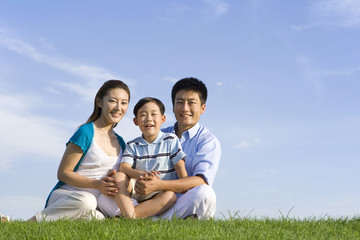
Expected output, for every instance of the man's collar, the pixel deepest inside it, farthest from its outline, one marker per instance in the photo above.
(192, 131)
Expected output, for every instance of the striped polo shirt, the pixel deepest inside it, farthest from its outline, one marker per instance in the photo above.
(160, 155)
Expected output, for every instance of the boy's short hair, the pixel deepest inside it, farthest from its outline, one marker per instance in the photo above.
(145, 100)
(192, 84)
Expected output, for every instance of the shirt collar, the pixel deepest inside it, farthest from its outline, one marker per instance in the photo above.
(157, 139)
(190, 132)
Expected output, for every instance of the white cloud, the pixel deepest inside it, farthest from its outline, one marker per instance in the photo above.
(89, 74)
(337, 13)
(219, 7)
(26, 49)
(176, 12)
(24, 135)
(21, 207)
(219, 84)
(171, 79)
(317, 77)
(307, 26)
(248, 143)
(243, 144)
(334, 72)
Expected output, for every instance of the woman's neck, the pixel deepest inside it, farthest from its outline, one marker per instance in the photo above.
(103, 126)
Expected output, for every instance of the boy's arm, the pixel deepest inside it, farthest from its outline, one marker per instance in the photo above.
(180, 169)
(129, 171)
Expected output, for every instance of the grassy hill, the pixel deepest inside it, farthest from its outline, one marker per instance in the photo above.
(240, 228)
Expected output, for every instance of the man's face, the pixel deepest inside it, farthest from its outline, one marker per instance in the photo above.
(187, 109)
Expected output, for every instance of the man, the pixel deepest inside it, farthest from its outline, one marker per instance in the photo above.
(196, 198)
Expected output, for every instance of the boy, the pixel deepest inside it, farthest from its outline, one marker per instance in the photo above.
(153, 154)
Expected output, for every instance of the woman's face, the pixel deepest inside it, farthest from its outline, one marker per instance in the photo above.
(114, 105)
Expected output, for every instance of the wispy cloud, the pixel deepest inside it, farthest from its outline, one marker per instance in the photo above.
(337, 13)
(248, 143)
(24, 48)
(176, 11)
(21, 207)
(318, 77)
(89, 75)
(171, 79)
(19, 122)
(24, 134)
(219, 7)
(314, 72)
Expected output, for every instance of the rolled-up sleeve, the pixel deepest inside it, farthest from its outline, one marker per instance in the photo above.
(206, 159)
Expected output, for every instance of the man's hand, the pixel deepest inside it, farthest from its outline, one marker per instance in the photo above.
(147, 184)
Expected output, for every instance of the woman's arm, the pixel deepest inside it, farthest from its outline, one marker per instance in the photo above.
(66, 174)
(180, 169)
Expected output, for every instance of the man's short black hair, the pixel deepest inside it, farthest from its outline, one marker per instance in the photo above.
(192, 84)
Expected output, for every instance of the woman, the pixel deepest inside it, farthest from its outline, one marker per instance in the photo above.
(90, 153)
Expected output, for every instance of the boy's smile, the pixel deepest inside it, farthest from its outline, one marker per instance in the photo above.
(149, 120)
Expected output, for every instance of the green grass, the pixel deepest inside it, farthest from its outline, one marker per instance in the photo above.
(233, 228)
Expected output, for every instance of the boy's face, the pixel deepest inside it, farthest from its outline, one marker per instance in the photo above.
(187, 109)
(149, 120)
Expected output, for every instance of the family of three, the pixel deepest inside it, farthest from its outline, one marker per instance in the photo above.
(164, 173)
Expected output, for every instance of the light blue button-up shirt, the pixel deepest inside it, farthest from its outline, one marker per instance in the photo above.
(203, 151)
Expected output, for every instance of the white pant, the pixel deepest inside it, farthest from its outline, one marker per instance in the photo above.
(200, 200)
(70, 205)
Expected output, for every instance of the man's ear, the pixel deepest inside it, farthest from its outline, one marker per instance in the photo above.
(203, 108)
(163, 118)
(135, 121)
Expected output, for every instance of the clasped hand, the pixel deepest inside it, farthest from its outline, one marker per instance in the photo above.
(108, 184)
(146, 183)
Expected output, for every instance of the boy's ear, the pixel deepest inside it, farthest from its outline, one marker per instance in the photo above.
(136, 121)
(163, 118)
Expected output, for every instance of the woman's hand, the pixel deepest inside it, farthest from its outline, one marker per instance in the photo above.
(108, 184)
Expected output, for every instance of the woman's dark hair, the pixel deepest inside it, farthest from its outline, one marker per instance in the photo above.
(145, 100)
(108, 85)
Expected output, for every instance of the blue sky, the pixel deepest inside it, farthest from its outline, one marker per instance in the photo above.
(283, 81)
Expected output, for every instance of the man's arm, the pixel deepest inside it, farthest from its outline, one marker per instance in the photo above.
(152, 184)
